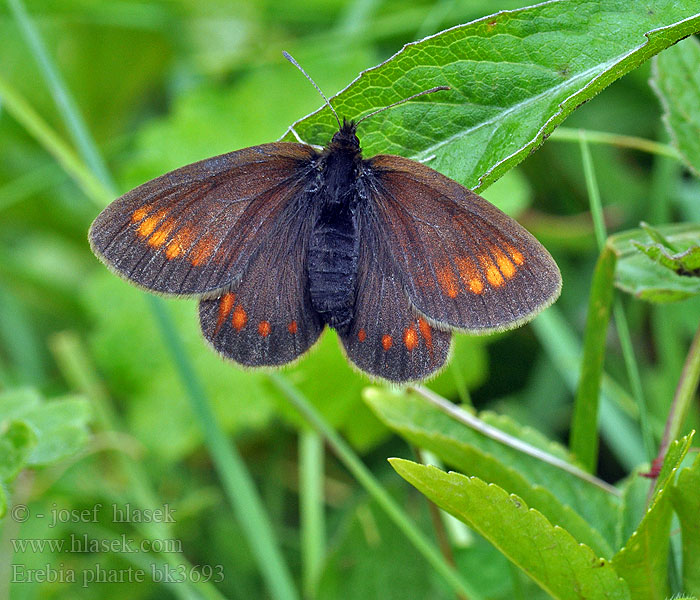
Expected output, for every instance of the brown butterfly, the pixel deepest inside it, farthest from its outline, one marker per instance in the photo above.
(279, 240)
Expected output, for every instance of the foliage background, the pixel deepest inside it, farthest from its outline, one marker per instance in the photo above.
(165, 83)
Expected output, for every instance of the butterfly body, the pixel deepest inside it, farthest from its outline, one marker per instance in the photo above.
(335, 238)
(279, 240)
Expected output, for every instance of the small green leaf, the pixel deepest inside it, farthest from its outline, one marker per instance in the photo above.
(682, 263)
(685, 496)
(647, 279)
(561, 565)
(676, 80)
(59, 426)
(643, 560)
(514, 76)
(17, 440)
(586, 511)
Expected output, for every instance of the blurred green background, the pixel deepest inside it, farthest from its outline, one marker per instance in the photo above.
(164, 83)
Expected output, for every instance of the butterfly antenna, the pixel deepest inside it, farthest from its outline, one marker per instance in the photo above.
(439, 88)
(290, 58)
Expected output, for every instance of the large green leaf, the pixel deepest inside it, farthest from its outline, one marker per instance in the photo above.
(561, 565)
(643, 561)
(585, 510)
(639, 274)
(514, 76)
(685, 496)
(676, 80)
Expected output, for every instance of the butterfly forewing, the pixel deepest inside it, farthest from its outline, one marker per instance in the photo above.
(193, 230)
(387, 337)
(265, 318)
(462, 262)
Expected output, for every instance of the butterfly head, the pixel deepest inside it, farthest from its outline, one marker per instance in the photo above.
(346, 139)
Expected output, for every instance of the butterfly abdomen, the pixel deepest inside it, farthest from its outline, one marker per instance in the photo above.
(332, 264)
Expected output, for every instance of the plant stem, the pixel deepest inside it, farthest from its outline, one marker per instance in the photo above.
(313, 528)
(682, 400)
(61, 95)
(618, 311)
(20, 109)
(364, 476)
(237, 482)
(566, 134)
(496, 434)
(100, 187)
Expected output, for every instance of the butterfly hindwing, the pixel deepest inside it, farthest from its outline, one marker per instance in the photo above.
(265, 318)
(463, 262)
(192, 230)
(387, 338)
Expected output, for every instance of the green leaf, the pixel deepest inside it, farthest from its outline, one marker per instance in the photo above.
(59, 426)
(685, 496)
(17, 440)
(637, 274)
(585, 510)
(556, 561)
(514, 76)
(643, 560)
(676, 80)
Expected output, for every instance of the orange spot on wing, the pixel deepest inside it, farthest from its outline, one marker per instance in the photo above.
(493, 275)
(517, 257)
(162, 233)
(387, 342)
(239, 319)
(202, 251)
(362, 335)
(264, 328)
(292, 327)
(447, 281)
(147, 226)
(140, 213)
(179, 244)
(410, 338)
(425, 332)
(504, 264)
(470, 275)
(225, 305)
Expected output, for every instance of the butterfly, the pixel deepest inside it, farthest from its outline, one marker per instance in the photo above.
(280, 240)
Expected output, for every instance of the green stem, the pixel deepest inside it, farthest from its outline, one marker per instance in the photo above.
(623, 334)
(61, 95)
(682, 399)
(373, 487)
(456, 413)
(618, 311)
(235, 478)
(237, 482)
(566, 134)
(313, 530)
(26, 116)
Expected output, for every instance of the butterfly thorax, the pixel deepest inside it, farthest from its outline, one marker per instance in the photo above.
(334, 243)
